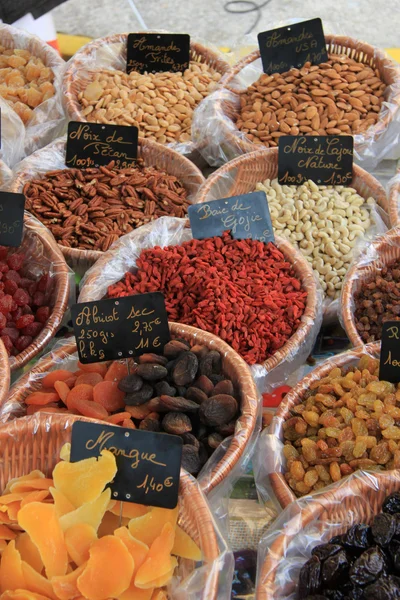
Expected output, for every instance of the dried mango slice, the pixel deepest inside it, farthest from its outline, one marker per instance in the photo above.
(62, 504)
(36, 474)
(90, 513)
(40, 521)
(12, 510)
(3, 545)
(65, 587)
(9, 498)
(84, 481)
(108, 571)
(28, 551)
(158, 559)
(160, 581)
(78, 539)
(184, 546)
(110, 523)
(36, 496)
(137, 549)
(148, 527)
(159, 595)
(6, 533)
(129, 509)
(31, 485)
(65, 452)
(11, 575)
(35, 582)
(21, 595)
(134, 593)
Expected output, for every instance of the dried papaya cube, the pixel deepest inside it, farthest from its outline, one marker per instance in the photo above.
(83, 481)
(148, 527)
(35, 582)
(184, 546)
(28, 551)
(11, 575)
(78, 539)
(91, 513)
(158, 560)
(58, 375)
(137, 549)
(108, 571)
(62, 504)
(40, 521)
(65, 587)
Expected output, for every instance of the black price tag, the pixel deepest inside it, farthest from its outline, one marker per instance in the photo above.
(156, 52)
(120, 328)
(11, 218)
(95, 145)
(246, 217)
(292, 46)
(389, 365)
(148, 463)
(326, 160)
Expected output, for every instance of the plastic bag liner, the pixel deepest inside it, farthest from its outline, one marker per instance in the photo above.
(394, 199)
(268, 461)
(383, 251)
(109, 53)
(219, 140)
(43, 255)
(48, 121)
(5, 176)
(4, 374)
(39, 439)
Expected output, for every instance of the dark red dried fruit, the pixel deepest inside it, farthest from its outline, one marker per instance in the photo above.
(310, 578)
(176, 423)
(368, 567)
(218, 410)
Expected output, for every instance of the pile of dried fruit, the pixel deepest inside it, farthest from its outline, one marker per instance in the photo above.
(161, 105)
(24, 302)
(349, 420)
(244, 291)
(62, 538)
(341, 96)
(92, 208)
(378, 301)
(182, 392)
(25, 82)
(361, 563)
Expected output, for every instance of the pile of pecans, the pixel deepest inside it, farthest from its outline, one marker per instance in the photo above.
(161, 105)
(341, 96)
(91, 208)
(243, 291)
(378, 301)
(349, 420)
(25, 82)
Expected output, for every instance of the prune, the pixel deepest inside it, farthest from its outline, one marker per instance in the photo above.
(174, 348)
(139, 397)
(205, 384)
(158, 359)
(218, 410)
(151, 372)
(334, 595)
(245, 573)
(394, 551)
(163, 388)
(176, 423)
(358, 536)
(191, 459)
(338, 539)
(323, 551)
(310, 578)
(368, 567)
(177, 403)
(196, 394)
(386, 588)
(383, 528)
(335, 569)
(214, 440)
(189, 438)
(391, 504)
(223, 387)
(150, 424)
(130, 383)
(185, 369)
(181, 390)
(316, 597)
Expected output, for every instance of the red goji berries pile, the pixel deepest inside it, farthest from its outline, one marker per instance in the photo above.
(244, 291)
(24, 302)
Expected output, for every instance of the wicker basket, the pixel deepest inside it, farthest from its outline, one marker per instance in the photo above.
(233, 366)
(4, 374)
(61, 291)
(73, 85)
(154, 155)
(387, 249)
(356, 501)
(359, 51)
(296, 395)
(35, 443)
(394, 201)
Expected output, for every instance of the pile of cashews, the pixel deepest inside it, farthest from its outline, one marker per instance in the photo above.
(325, 222)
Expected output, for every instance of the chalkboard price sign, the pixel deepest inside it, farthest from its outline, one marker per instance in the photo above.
(95, 145)
(292, 46)
(11, 218)
(157, 52)
(389, 365)
(148, 463)
(246, 217)
(326, 160)
(120, 328)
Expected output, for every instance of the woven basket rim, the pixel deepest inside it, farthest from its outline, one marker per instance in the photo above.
(281, 489)
(340, 41)
(358, 271)
(246, 424)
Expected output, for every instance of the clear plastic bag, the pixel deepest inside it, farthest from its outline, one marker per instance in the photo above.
(313, 520)
(5, 176)
(41, 438)
(48, 120)
(219, 140)
(393, 188)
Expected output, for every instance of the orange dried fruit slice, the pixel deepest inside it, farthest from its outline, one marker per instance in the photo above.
(3, 545)
(129, 509)
(65, 452)
(9, 498)
(66, 586)
(79, 392)
(35, 496)
(184, 546)
(36, 474)
(62, 504)
(40, 521)
(58, 375)
(158, 559)
(117, 371)
(101, 368)
(117, 418)
(78, 540)
(138, 412)
(11, 575)
(137, 549)
(35, 582)
(108, 395)
(148, 527)
(128, 424)
(110, 523)
(21, 595)
(31, 485)
(134, 593)
(91, 513)
(160, 581)
(108, 571)
(6, 533)
(12, 509)
(159, 595)
(88, 408)
(89, 378)
(83, 481)
(41, 398)
(62, 390)
(28, 551)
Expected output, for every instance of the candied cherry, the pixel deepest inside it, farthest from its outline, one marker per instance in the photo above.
(5, 304)
(10, 286)
(21, 297)
(15, 261)
(24, 321)
(7, 343)
(42, 314)
(23, 342)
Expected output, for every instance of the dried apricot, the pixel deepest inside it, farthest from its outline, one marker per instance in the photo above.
(62, 390)
(41, 398)
(79, 392)
(91, 513)
(58, 375)
(87, 408)
(118, 418)
(148, 527)
(117, 371)
(11, 575)
(128, 424)
(184, 546)
(100, 368)
(108, 395)
(108, 571)
(66, 586)
(89, 378)
(35, 582)
(40, 521)
(28, 551)
(158, 560)
(78, 540)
